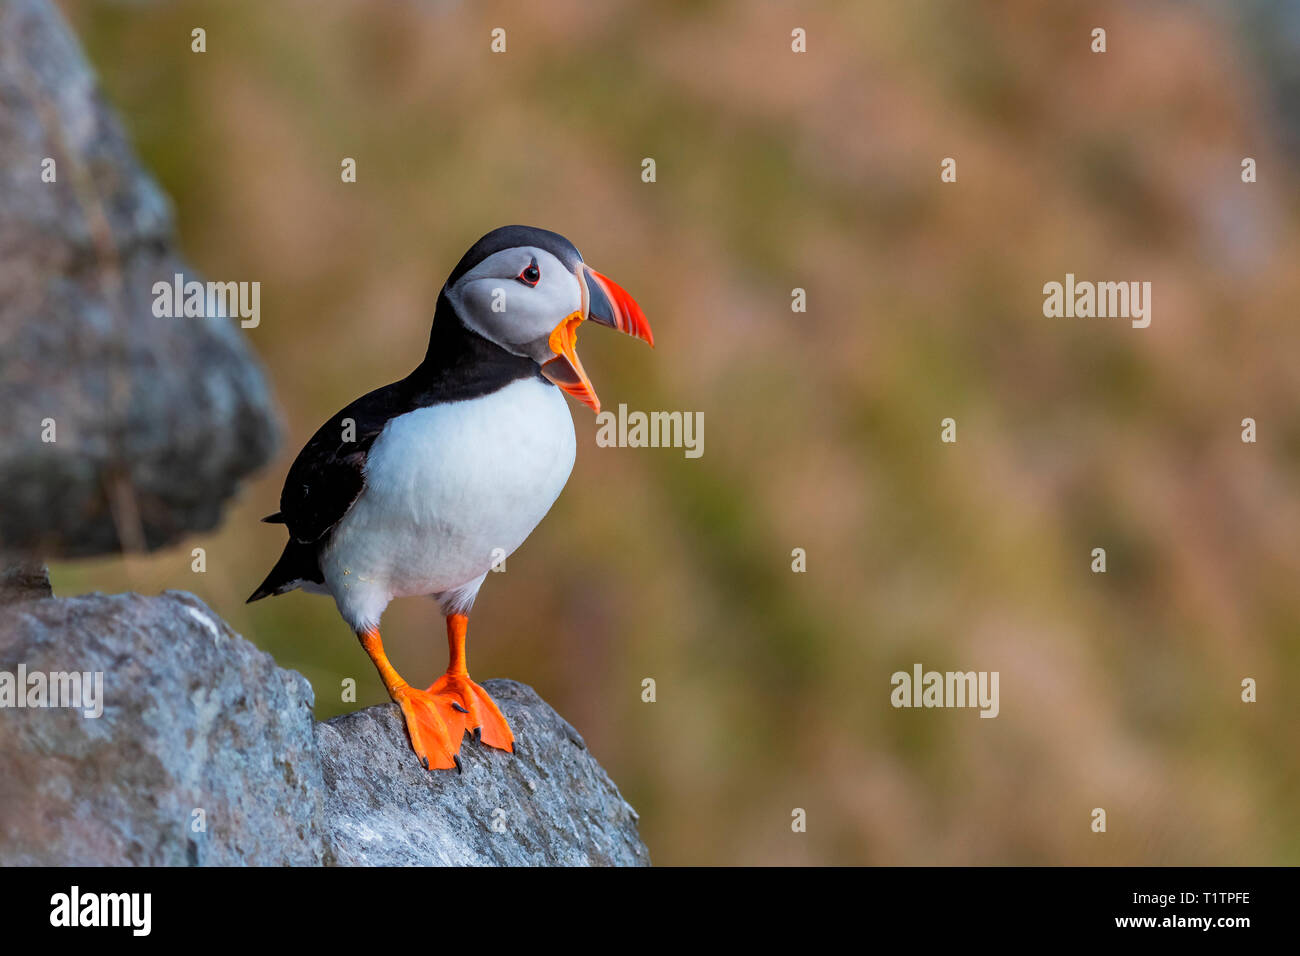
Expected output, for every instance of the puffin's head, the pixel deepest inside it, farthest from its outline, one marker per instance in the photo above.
(527, 290)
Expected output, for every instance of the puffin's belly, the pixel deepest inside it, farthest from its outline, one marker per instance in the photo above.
(450, 489)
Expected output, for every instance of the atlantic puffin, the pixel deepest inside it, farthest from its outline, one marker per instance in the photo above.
(419, 487)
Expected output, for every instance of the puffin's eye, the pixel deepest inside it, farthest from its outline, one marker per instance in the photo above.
(530, 276)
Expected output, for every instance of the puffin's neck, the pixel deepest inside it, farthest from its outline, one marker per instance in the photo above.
(461, 364)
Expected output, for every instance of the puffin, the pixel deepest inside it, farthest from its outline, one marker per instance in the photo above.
(420, 487)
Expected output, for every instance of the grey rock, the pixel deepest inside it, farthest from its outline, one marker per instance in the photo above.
(156, 420)
(548, 803)
(195, 717)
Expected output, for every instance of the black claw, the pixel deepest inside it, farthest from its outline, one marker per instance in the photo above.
(457, 759)
(478, 734)
(456, 706)
(425, 761)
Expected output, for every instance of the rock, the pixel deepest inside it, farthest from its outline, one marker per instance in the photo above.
(549, 803)
(196, 718)
(154, 420)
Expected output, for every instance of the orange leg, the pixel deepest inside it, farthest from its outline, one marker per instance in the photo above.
(436, 722)
(483, 717)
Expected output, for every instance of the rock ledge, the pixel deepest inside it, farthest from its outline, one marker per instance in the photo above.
(207, 754)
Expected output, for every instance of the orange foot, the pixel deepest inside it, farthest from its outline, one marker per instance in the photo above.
(436, 723)
(482, 716)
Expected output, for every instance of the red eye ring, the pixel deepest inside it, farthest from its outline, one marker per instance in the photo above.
(531, 275)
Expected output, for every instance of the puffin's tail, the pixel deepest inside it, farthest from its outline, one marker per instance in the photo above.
(296, 565)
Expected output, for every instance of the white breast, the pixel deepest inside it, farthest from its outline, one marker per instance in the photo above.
(449, 490)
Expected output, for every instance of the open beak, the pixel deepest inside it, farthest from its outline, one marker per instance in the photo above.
(606, 303)
(566, 370)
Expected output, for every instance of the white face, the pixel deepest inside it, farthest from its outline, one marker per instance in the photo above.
(498, 300)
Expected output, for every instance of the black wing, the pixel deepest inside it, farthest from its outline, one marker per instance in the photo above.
(329, 473)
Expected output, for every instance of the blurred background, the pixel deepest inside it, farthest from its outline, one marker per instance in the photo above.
(821, 171)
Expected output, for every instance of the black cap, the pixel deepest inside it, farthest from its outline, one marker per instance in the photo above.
(511, 237)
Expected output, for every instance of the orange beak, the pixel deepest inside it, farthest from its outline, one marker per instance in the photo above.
(609, 304)
(566, 370)
(606, 303)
